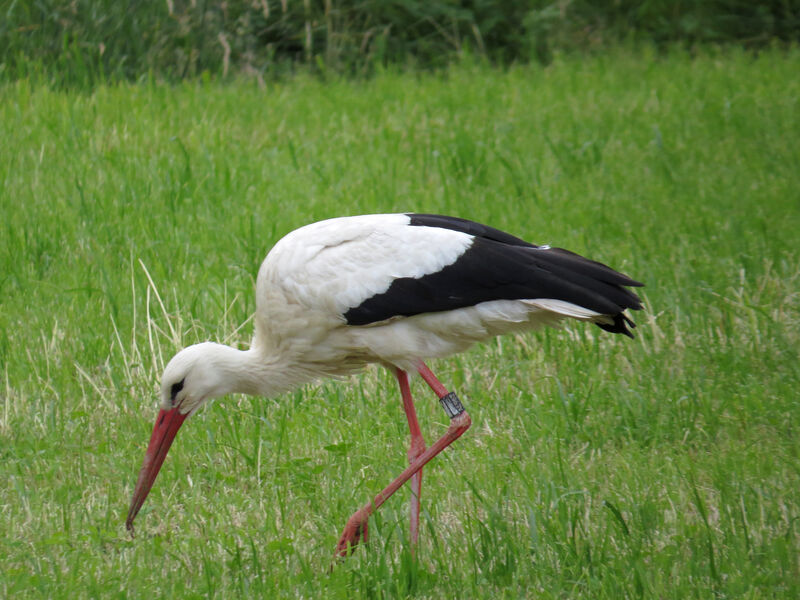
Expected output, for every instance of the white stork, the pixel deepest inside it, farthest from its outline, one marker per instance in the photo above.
(393, 289)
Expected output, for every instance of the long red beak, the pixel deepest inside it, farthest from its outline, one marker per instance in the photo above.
(167, 424)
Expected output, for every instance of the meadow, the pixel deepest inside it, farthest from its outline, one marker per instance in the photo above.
(133, 218)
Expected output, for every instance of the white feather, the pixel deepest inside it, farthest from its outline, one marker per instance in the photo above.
(564, 308)
(316, 273)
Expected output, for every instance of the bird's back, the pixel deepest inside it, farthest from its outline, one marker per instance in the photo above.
(425, 285)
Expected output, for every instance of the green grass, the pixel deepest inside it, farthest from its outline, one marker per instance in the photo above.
(133, 220)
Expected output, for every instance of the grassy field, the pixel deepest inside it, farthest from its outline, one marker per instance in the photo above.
(134, 219)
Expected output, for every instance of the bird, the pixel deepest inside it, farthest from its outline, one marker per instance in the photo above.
(392, 289)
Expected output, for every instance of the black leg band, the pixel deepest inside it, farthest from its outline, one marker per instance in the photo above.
(451, 405)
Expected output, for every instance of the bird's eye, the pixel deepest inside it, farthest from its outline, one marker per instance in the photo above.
(176, 387)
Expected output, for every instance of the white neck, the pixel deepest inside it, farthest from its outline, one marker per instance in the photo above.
(213, 370)
(255, 373)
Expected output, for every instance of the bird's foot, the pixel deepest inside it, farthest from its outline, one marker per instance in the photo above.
(354, 533)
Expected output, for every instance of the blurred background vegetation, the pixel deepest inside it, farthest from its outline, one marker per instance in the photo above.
(77, 42)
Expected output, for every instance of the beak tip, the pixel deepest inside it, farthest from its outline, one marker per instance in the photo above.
(167, 424)
(129, 522)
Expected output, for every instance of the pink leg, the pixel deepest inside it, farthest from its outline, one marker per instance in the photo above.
(356, 528)
(417, 447)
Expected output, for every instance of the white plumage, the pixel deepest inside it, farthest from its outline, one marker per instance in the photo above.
(395, 289)
(316, 273)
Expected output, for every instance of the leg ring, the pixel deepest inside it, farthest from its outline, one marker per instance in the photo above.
(451, 405)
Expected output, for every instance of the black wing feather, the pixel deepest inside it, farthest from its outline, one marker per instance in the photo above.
(499, 266)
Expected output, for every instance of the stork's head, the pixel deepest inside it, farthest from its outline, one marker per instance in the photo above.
(194, 375)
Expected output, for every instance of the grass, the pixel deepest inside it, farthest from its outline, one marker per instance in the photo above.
(134, 219)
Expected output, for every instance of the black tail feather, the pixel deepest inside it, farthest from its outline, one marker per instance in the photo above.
(620, 325)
